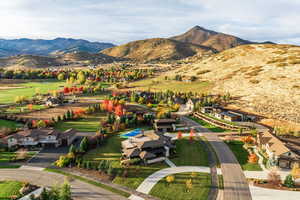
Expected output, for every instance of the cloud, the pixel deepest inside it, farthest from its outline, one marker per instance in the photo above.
(121, 21)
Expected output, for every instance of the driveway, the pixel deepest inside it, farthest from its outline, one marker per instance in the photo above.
(80, 190)
(235, 183)
(47, 156)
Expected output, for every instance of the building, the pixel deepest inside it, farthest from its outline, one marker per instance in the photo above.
(45, 137)
(148, 146)
(191, 104)
(164, 125)
(276, 148)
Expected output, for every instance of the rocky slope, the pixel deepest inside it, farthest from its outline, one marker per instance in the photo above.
(265, 78)
(157, 49)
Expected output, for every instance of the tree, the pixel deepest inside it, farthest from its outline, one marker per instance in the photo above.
(170, 179)
(61, 76)
(41, 124)
(65, 192)
(72, 149)
(81, 78)
(289, 181)
(179, 135)
(295, 171)
(189, 185)
(84, 145)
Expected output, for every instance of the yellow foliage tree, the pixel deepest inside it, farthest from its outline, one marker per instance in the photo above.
(295, 172)
(170, 179)
(189, 185)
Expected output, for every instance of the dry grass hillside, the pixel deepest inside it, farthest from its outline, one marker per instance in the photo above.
(219, 41)
(264, 77)
(28, 61)
(157, 49)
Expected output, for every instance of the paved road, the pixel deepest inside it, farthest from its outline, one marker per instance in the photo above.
(235, 183)
(80, 190)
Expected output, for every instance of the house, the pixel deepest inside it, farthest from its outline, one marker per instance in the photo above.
(53, 102)
(164, 125)
(44, 137)
(229, 116)
(191, 104)
(276, 148)
(148, 146)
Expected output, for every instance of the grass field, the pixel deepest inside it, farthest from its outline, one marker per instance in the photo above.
(28, 89)
(90, 123)
(177, 190)
(24, 109)
(190, 154)
(208, 125)
(9, 189)
(9, 124)
(241, 155)
(159, 84)
(7, 156)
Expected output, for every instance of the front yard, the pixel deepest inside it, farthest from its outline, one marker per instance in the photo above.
(190, 153)
(9, 189)
(9, 124)
(6, 156)
(241, 155)
(200, 187)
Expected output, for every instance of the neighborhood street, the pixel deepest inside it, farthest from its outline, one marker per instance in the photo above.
(235, 183)
(80, 190)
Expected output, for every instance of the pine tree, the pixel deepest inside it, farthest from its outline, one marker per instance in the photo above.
(84, 145)
(72, 149)
(289, 181)
(65, 192)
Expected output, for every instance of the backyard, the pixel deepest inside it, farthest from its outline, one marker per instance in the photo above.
(190, 153)
(90, 123)
(241, 155)
(9, 124)
(10, 189)
(201, 183)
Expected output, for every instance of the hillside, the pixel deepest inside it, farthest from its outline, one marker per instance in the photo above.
(46, 47)
(264, 77)
(219, 41)
(88, 58)
(157, 49)
(29, 61)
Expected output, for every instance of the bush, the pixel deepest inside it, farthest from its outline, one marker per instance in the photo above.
(289, 181)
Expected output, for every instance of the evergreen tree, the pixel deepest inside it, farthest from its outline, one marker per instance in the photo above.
(72, 149)
(65, 192)
(84, 144)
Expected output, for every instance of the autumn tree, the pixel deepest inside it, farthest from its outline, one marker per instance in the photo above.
(170, 179)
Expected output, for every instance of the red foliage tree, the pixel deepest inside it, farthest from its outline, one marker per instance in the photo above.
(105, 104)
(110, 106)
(66, 90)
(119, 110)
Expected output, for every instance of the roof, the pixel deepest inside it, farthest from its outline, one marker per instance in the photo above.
(275, 145)
(229, 114)
(68, 133)
(164, 120)
(150, 144)
(132, 152)
(147, 155)
(34, 133)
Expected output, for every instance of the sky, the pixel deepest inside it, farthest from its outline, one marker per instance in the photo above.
(121, 21)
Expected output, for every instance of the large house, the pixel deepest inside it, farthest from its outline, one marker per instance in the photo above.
(147, 146)
(45, 137)
(277, 149)
(164, 125)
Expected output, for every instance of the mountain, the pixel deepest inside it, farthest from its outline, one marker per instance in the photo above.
(46, 47)
(157, 49)
(29, 61)
(265, 78)
(219, 41)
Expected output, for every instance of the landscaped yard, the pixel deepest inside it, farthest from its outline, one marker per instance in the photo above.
(190, 154)
(111, 150)
(208, 125)
(24, 109)
(28, 89)
(90, 123)
(241, 155)
(177, 190)
(6, 157)
(9, 124)
(9, 189)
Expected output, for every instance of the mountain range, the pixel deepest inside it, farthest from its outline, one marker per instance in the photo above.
(41, 47)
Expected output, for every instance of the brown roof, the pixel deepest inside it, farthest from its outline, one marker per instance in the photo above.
(165, 121)
(147, 155)
(274, 143)
(150, 144)
(68, 133)
(132, 152)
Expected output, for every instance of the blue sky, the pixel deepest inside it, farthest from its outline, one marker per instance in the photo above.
(121, 21)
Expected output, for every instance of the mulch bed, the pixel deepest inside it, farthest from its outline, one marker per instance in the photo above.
(91, 173)
(278, 187)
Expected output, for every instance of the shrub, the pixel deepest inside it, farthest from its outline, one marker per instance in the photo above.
(289, 181)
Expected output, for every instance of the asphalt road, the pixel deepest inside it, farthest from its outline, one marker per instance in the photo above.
(235, 183)
(80, 190)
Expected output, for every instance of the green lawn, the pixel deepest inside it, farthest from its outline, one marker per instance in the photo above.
(7, 156)
(9, 124)
(177, 190)
(241, 155)
(29, 89)
(90, 123)
(9, 189)
(190, 154)
(208, 125)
